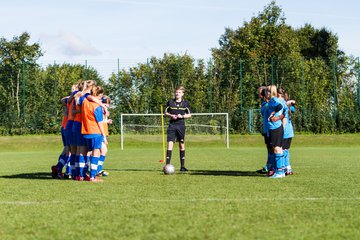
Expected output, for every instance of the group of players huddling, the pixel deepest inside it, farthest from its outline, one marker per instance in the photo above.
(278, 131)
(84, 133)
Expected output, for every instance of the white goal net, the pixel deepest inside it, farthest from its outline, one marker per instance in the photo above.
(200, 126)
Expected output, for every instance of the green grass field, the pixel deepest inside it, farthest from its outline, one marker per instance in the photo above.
(220, 198)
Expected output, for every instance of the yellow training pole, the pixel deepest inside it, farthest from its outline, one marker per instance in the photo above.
(163, 133)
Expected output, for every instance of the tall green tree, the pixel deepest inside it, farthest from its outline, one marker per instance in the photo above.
(17, 55)
(263, 46)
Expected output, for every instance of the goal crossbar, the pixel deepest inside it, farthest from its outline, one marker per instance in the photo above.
(159, 114)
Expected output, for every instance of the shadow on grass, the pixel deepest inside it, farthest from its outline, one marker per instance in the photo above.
(226, 173)
(199, 172)
(35, 175)
(133, 170)
(47, 175)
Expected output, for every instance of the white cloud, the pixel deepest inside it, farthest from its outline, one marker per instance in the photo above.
(69, 44)
(75, 46)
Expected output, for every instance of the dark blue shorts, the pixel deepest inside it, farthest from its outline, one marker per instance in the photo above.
(79, 139)
(68, 137)
(94, 143)
(63, 137)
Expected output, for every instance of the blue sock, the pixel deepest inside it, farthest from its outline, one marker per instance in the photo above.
(68, 169)
(72, 165)
(77, 167)
(87, 163)
(81, 165)
(101, 163)
(93, 166)
(286, 158)
(61, 162)
(279, 159)
(272, 161)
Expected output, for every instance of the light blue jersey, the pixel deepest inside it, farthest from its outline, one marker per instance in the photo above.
(288, 129)
(272, 105)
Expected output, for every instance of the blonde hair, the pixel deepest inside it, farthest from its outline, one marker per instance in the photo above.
(84, 86)
(273, 91)
(88, 84)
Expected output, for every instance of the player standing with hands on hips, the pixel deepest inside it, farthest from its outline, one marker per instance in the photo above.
(178, 110)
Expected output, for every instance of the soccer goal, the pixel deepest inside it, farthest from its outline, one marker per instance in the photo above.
(201, 126)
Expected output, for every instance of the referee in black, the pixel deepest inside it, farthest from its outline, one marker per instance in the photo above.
(177, 109)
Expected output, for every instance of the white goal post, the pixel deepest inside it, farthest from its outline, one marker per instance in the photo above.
(226, 115)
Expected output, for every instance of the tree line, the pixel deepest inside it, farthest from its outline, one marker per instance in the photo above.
(306, 61)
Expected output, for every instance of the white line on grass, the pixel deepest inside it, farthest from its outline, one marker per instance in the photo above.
(24, 203)
(28, 203)
(252, 199)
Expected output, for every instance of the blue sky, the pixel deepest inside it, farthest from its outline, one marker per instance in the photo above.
(102, 31)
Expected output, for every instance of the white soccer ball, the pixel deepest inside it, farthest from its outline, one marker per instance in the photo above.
(169, 169)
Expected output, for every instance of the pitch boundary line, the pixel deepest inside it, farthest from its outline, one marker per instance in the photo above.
(310, 199)
(24, 203)
(251, 199)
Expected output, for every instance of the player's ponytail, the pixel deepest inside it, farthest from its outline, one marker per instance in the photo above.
(96, 91)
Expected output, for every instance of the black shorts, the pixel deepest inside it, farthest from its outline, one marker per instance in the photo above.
(276, 137)
(176, 132)
(286, 143)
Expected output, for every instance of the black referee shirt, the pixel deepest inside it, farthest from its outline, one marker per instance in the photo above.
(175, 108)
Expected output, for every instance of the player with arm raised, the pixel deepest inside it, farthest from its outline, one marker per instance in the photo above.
(68, 131)
(276, 130)
(79, 141)
(93, 130)
(178, 110)
(288, 131)
(264, 95)
(104, 149)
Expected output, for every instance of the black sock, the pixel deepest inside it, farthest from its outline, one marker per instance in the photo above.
(182, 158)
(168, 156)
